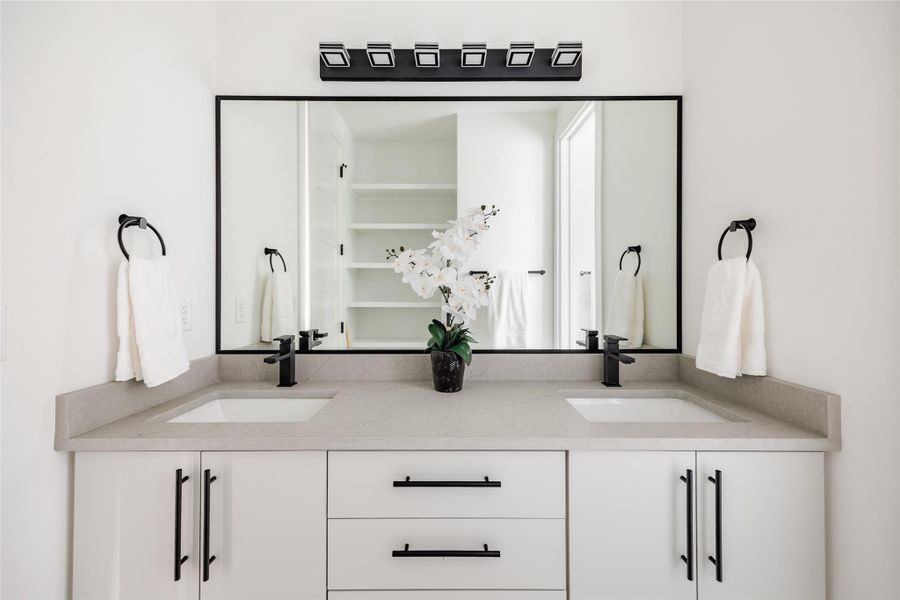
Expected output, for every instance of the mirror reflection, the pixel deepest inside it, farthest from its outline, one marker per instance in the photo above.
(317, 198)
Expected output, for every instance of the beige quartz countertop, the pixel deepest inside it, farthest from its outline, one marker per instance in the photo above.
(486, 415)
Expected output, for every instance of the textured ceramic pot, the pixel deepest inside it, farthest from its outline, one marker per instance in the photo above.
(447, 370)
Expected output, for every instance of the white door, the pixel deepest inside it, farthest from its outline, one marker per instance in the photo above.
(266, 514)
(628, 525)
(127, 527)
(771, 527)
(324, 229)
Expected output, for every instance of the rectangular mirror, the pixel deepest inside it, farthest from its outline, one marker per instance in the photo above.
(587, 235)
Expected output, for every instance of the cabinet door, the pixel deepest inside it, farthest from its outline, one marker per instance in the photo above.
(125, 525)
(771, 525)
(628, 525)
(267, 525)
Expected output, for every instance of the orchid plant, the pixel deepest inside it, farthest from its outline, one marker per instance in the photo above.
(439, 269)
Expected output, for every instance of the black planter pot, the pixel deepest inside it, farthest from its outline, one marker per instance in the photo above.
(447, 370)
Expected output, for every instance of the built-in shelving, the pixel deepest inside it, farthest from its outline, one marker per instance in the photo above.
(404, 190)
(392, 304)
(395, 226)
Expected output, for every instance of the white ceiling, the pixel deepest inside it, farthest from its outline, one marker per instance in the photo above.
(423, 120)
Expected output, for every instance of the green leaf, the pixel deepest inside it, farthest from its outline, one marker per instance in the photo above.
(464, 352)
(438, 335)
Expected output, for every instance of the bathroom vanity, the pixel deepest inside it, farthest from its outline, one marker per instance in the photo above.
(387, 489)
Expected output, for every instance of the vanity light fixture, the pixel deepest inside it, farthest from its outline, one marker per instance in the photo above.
(567, 54)
(520, 54)
(473, 54)
(427, 55)
(334, 54)
(380, 54)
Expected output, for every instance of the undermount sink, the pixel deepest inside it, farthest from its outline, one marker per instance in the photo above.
(643, 410)
(254, 410)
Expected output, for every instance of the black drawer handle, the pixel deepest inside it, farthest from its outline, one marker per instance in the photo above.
(688, 557)
(487, 483)
(207, 559)
(717, 559)
(407, 553)
(179, 559)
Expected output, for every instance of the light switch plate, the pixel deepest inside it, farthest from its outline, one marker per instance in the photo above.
(185, 313)
(240, 309)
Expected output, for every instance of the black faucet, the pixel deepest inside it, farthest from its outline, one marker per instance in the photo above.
(310, 339)
(590, 340)
(611, 360)
(285, 356)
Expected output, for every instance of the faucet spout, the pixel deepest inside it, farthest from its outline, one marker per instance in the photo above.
(611, 360)
(285, 356)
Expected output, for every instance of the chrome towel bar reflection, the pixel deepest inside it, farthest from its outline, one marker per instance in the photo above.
(540, 272)
(407, 553)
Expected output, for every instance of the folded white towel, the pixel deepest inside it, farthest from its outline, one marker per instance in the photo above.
(277, 315)
(128, 365)
(157, 328)
(507, 317)
(626, 313)
(732, 324)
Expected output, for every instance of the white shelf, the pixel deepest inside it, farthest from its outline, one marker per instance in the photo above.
(371, 265)
(388, 344)
(380, 304)
(404, 190)
(395, 226)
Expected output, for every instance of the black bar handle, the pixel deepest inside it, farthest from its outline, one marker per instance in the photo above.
(407, 553)
(207, 559)
(688, 557)
(179, 559)
(444, 484)
(717, 559)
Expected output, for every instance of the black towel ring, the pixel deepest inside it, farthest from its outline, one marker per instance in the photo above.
(747, 225)
(636, 250)
(269, 252)
(130, 221)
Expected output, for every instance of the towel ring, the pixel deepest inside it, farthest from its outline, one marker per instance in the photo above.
(636, 250)
(747, 225)
(270, 252)
(130, 221)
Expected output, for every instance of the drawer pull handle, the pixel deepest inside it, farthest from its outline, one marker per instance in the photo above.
(407, 553)
(466, 484)
(717, 559)
(207, 559)
(688, 557)
(179, 558)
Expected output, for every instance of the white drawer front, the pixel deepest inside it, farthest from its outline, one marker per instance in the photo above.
(532, 554)
(361, 484)
(449, 595)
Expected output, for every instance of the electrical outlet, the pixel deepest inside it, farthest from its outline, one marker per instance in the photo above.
(185, 312)
(240, 309)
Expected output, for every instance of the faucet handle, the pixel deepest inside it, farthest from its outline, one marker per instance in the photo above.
(614, 339)
(313, 333)
(590, 332)
(284, 339)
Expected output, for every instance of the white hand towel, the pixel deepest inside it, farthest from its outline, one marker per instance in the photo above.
(277, 315)
(626, 313)
(507, 317)
(157, 327)
(731, 326)
(128, 365)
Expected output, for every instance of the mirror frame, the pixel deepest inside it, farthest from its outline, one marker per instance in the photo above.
(678, 194)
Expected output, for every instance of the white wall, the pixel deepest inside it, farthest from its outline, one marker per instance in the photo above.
(639, 187)
(106, 108)
(259, 149)
(791, 118)
(507, 159)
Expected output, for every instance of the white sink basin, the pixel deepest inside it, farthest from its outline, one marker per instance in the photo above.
(643, 410)
(253, 410)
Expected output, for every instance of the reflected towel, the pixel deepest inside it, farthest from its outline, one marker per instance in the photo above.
(157, 327)
(732, 328)
(507, 317)
(626, 313)
(277, 314)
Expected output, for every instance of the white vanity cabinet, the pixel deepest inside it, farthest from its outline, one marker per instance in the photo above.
(258, 533)
(645, 524)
